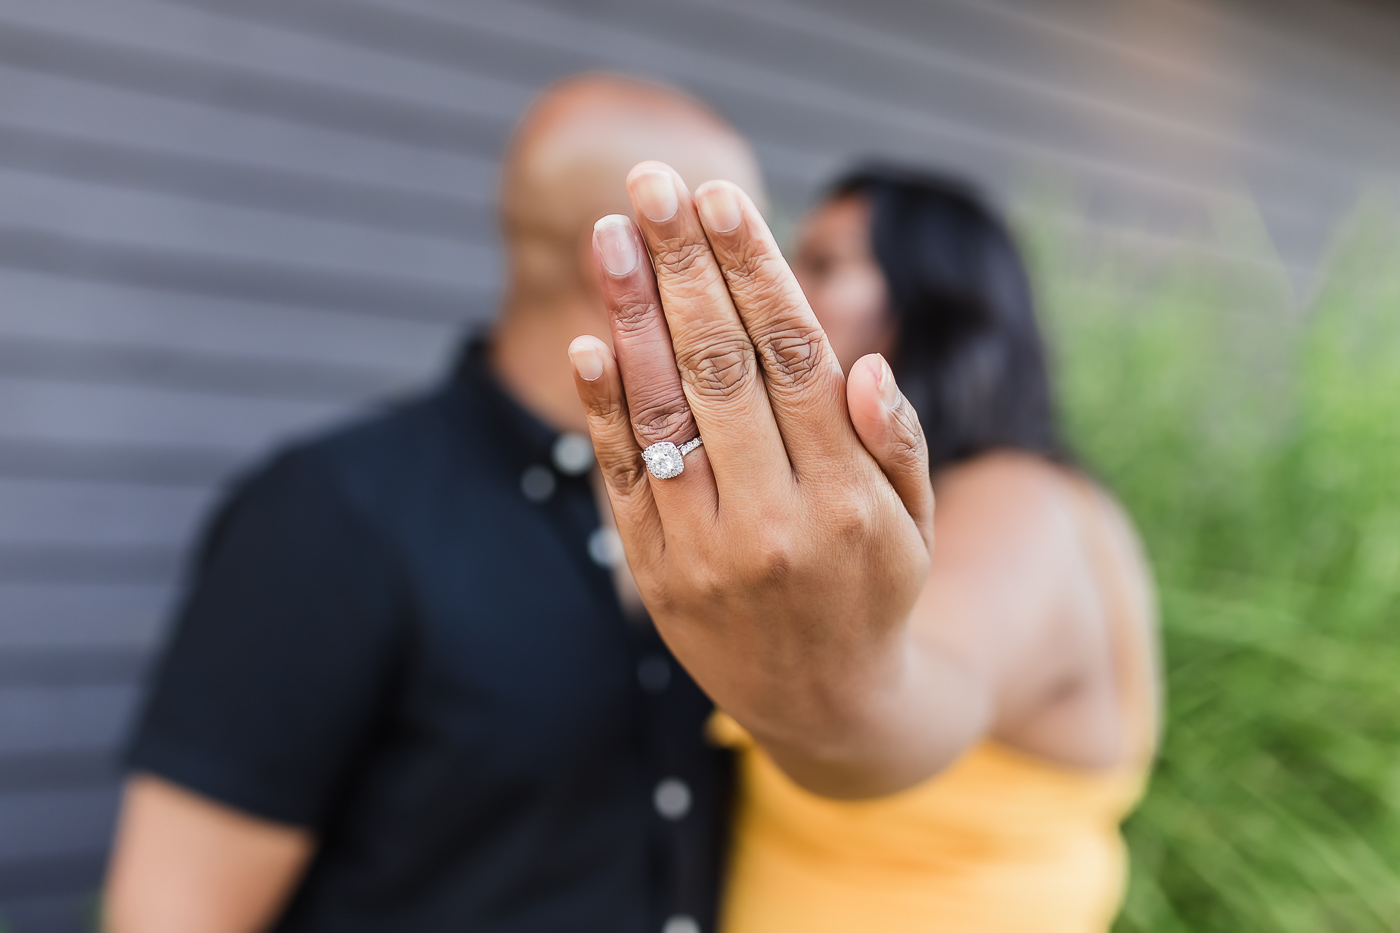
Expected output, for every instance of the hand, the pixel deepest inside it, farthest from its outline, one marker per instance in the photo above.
(782, 564)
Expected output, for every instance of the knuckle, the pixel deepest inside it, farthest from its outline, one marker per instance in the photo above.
(605, 410)
(666, 601)
(793, 347)
(626, 475)
(687, 272)
(793, 355)
(721, 367)
(659, 587)
(851, 517)
(633, 314)
(772, 551)
(681, 258)
(749, 269)
(662, 419)
(908, 440)
(908, 448)
(774, 559)
(706, 583)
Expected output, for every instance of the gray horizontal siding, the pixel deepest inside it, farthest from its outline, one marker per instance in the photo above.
(94, 310)
(39, 511)
(156, 222)
(83, 460)
(268, 279)
(56, 823)
(89, 564)
(39, 892)
(61, 717)
(52, 409)
(85, 618)
(191, 370)
(226, 222)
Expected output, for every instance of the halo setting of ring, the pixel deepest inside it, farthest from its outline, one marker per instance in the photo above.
(665, 460)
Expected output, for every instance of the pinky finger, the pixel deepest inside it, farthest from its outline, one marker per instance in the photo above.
(889, 428)
(599, 385)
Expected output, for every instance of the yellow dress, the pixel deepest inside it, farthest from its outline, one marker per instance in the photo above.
(1001, 842)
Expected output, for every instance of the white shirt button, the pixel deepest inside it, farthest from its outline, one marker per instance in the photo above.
(672, 798)
(680, 923)
(537, 483)
(654, 673)
(573, 454)
(605, 547)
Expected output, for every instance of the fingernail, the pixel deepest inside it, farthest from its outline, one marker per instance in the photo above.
(617, 247)
(889, 391)
(719, 208)
(588, 362)
(655, 194)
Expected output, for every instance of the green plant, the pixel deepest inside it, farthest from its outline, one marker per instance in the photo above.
(1257, 445)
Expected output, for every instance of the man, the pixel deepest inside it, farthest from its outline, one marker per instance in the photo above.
(404, 694)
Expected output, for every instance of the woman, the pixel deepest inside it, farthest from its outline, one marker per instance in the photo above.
(1021, 832)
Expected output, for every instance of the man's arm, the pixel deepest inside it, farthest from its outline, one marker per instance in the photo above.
(281, 658)
(183, 863)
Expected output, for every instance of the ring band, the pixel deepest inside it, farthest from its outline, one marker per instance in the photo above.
(665, 460)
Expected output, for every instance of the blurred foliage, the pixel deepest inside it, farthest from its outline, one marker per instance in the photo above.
(1256, 441)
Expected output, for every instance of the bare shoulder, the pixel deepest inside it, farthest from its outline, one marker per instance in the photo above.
(1004, 469)
(1082, 590)
(1129, 595)
(1028, 489)
(1117, 540)
(1117, 524)
(1005, 490)
(1050, 518)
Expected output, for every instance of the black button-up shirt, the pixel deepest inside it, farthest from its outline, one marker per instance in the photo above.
(404, 636)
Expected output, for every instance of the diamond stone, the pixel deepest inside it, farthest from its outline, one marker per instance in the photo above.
(664, 460)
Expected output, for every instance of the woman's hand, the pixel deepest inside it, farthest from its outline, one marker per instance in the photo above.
(781, 566)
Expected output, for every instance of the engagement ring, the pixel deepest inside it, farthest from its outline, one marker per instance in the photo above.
(666, 460)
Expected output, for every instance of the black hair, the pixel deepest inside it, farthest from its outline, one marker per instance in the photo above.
(969, 354)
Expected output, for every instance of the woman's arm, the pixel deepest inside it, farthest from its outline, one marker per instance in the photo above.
(788, 565)
(185, 864)
(1009, 638)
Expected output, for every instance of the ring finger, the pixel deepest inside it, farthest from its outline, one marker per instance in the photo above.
(655, 398)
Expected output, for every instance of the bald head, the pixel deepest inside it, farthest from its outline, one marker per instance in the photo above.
(568, 162)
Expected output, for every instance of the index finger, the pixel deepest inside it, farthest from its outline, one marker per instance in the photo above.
(805, 385)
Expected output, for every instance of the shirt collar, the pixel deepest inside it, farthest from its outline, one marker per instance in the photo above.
(530, 437)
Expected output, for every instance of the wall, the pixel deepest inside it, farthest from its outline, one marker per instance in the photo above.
(225, 221)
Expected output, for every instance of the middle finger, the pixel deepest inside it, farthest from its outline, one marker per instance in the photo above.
(718, 367)
(806, 389)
